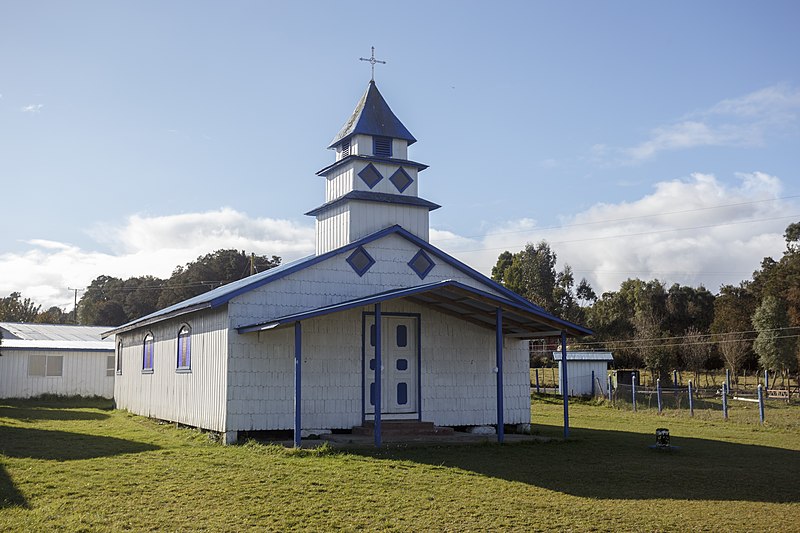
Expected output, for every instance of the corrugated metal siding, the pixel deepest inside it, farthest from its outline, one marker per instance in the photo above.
(83, 373)
(196, 398)
(332, 229)
(339, 183)
(400, 149)
(368, 217)
(579, 376)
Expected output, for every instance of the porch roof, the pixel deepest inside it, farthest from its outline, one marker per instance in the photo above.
(452, 298)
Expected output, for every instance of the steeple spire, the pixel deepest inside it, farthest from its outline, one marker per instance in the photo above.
(372, 184)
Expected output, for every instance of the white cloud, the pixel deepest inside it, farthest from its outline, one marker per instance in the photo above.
(32, 108)
(679, 233)
(145, 245)
(742, 121)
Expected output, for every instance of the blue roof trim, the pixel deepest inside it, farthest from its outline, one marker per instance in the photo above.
(373, 116)
(390, 295)
(343, 306)
(372, 159)
(369, 196)
(222, 295)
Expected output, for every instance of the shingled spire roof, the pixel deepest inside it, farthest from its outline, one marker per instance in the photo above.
(373, 116)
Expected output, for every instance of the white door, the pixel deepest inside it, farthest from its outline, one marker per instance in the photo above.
(399, 372)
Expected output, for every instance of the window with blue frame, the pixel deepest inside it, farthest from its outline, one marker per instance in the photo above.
(184, 349)
(119, 358)
(147, 353)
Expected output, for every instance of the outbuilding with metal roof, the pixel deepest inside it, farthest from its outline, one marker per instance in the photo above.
(65, 360)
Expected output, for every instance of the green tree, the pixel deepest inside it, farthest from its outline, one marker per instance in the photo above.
(15, 309)
(92, 307)
(696, 351)
(532, 274)
(773, 345)
(585, 293)
(611, 319)
(210, 271)
(781, 280)
(54, 315)
(688, 307)
(733, 311)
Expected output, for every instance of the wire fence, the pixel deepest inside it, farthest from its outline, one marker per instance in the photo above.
(721, 401)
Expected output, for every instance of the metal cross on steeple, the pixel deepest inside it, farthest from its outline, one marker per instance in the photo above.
(372, 62)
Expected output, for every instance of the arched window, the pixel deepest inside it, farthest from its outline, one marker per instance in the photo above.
(184, 349)
(119, 358)
(147, 353)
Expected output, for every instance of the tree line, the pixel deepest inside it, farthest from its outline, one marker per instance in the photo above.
(645, 323)
(755, 324)
(111, 301)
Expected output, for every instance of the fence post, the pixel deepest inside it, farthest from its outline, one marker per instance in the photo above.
(674, 378)
(658, 393)
(537, 380)
(725, 400)
(609, 389)
(633, 390)
(766, 379)
(691, 399)
(761, 403)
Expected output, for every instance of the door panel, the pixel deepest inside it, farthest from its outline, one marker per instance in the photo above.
(399, 375)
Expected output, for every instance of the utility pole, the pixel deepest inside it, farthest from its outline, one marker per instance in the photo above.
(252, 263)
(75, 309)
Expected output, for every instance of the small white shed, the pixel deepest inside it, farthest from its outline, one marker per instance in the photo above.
(60, 359)
(582, 368)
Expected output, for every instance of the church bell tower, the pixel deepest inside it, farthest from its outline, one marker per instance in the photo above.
(372, 184)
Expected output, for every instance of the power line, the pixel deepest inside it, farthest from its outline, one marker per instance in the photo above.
(676, 337)
(698, 343)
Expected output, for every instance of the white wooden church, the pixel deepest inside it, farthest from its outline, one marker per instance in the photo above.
(377, 325)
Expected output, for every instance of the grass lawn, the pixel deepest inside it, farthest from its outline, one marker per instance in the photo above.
(83, 467)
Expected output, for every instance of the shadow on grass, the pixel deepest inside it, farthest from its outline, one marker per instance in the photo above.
(620, 465)
(9, 495)
(38, 413)
(63, 445)
(57, 446)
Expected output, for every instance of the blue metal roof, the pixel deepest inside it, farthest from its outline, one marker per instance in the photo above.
(222, 295)
(382, 197)
(372, 116)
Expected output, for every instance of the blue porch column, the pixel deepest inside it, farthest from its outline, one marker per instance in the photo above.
(298, 337)
(565, 382)
(378, 366)
(499, 358)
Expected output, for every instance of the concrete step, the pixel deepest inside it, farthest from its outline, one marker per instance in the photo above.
(410, 428)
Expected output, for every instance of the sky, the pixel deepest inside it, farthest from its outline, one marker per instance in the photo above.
(639, 139)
